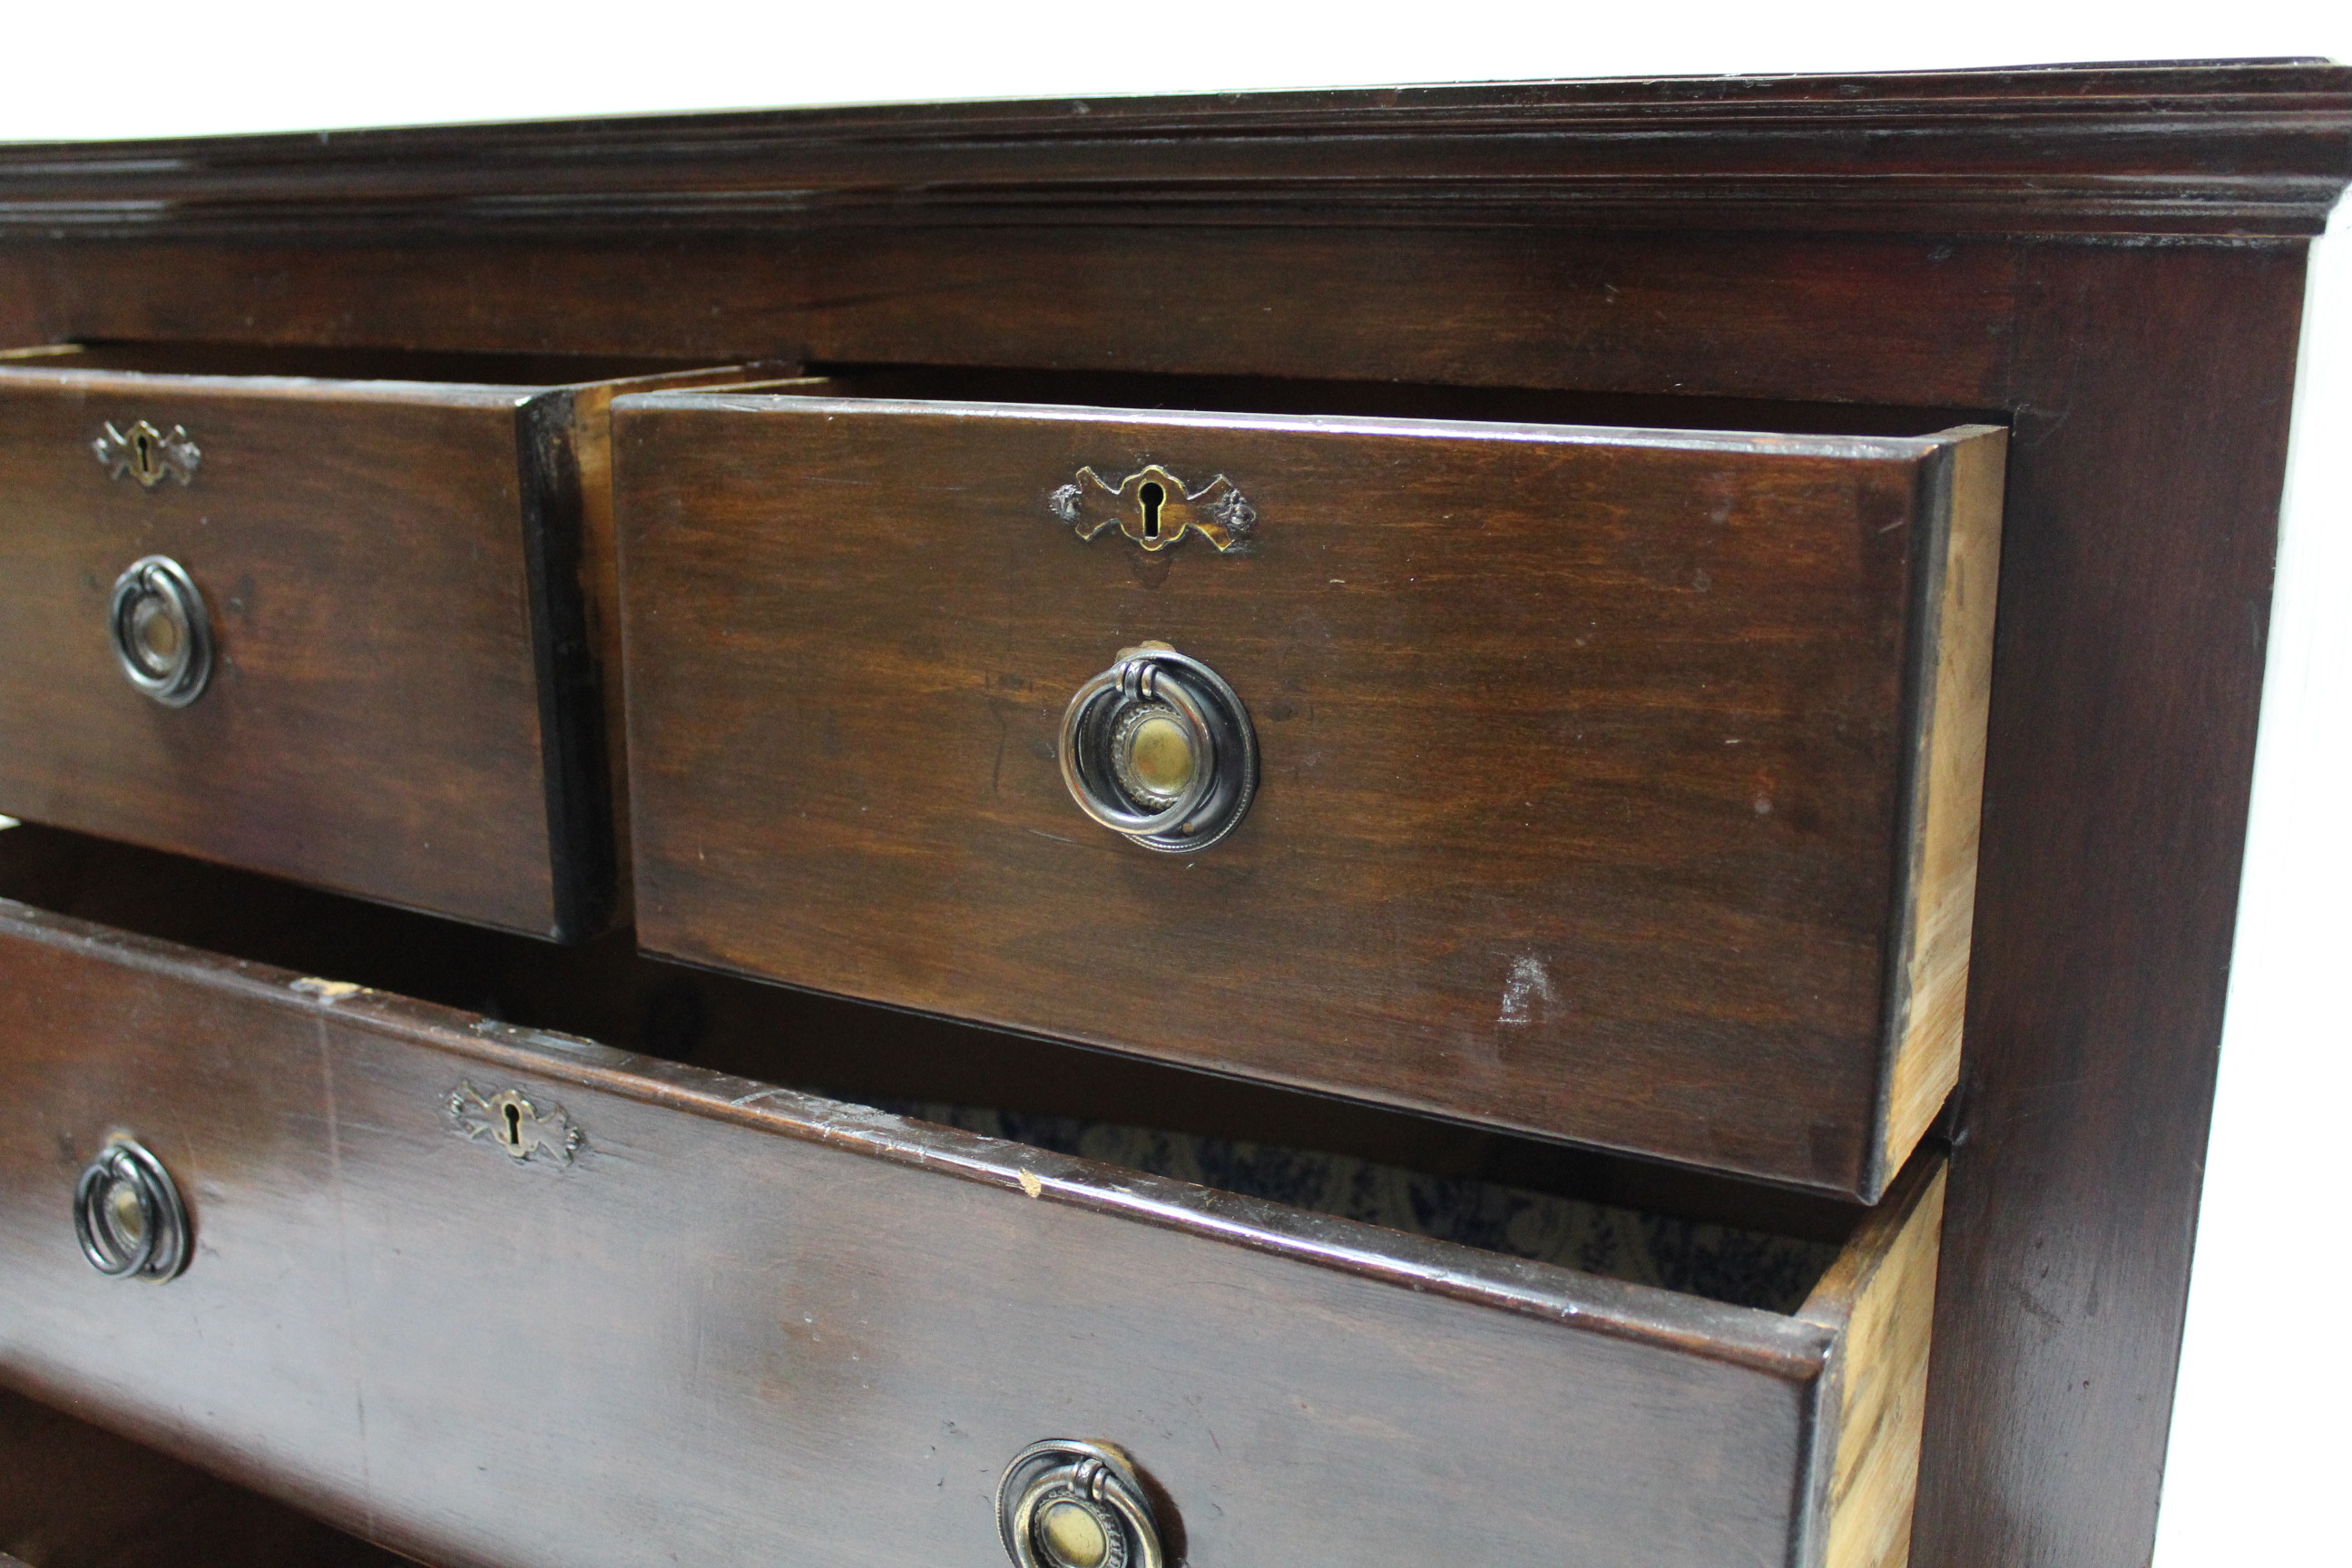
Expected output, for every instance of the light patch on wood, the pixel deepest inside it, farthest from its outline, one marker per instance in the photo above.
(1883, 1290)
(1948, 799)
(327, 990)
(1528, 985)
(1032, 1185)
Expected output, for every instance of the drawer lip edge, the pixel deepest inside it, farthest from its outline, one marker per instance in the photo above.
(1761, 443)
(1791, 1347)
(28, 378)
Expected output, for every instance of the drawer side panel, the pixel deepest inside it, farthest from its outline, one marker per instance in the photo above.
(1954, 650)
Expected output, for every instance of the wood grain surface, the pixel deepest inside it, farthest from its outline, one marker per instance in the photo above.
(2137, 554)
(1662, 237)
(2238, 148)
(373, 722)
(407, 701)
(1876, 319)
(1880, 1294)
(607, 991)
(1952, 690)
(1583, 753)
(743, 1322)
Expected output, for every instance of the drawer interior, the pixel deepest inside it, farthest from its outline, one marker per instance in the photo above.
(1739, 1243)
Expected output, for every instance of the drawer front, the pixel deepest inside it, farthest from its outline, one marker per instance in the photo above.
(375, 720)
(1609, 783)
(739, 1324)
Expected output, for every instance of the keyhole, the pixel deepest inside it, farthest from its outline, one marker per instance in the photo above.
(1151, 496)
(145, 454)
(514, 1127)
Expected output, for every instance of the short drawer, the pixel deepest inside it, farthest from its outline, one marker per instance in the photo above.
(340, 621)
(1609, 785)
(494, 1296)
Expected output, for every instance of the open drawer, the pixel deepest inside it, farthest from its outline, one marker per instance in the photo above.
(489, 1295)
(339, 616)
(1611, 785)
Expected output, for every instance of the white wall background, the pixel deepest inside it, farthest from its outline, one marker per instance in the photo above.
(2260, 1438)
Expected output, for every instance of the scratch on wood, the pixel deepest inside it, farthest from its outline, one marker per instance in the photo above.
(343, 1259)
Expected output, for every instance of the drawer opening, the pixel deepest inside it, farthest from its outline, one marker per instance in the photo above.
(1380, 399)
(1740, 1266)
(1620, 1217)
(307, 363)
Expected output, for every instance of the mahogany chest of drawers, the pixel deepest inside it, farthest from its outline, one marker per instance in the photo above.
(1330, 828)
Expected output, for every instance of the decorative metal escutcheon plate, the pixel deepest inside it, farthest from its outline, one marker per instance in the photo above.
(509, 1119)
(147, 454)
(1153, 508)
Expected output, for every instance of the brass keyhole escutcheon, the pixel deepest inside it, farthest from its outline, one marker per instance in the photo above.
(142, 456)
(525, 1132)
(1155, 510)
(147, 454)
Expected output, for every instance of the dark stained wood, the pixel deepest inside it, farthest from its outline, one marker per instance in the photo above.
(72, 1496)
(2142, 514)
(1581, 752)
(1507, 308)
(2153, 395)
(372, 722)
(750, 1323)
(2236, 148)
(407, 702)
(606, 991)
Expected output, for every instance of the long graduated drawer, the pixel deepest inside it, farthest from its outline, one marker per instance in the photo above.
(349, 626)
(498, 1298)
(1615, 786)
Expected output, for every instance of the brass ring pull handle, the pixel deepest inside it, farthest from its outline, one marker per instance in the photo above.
(127, 1216)
(162, 637)
(1160, 749)
(1067, 1504)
